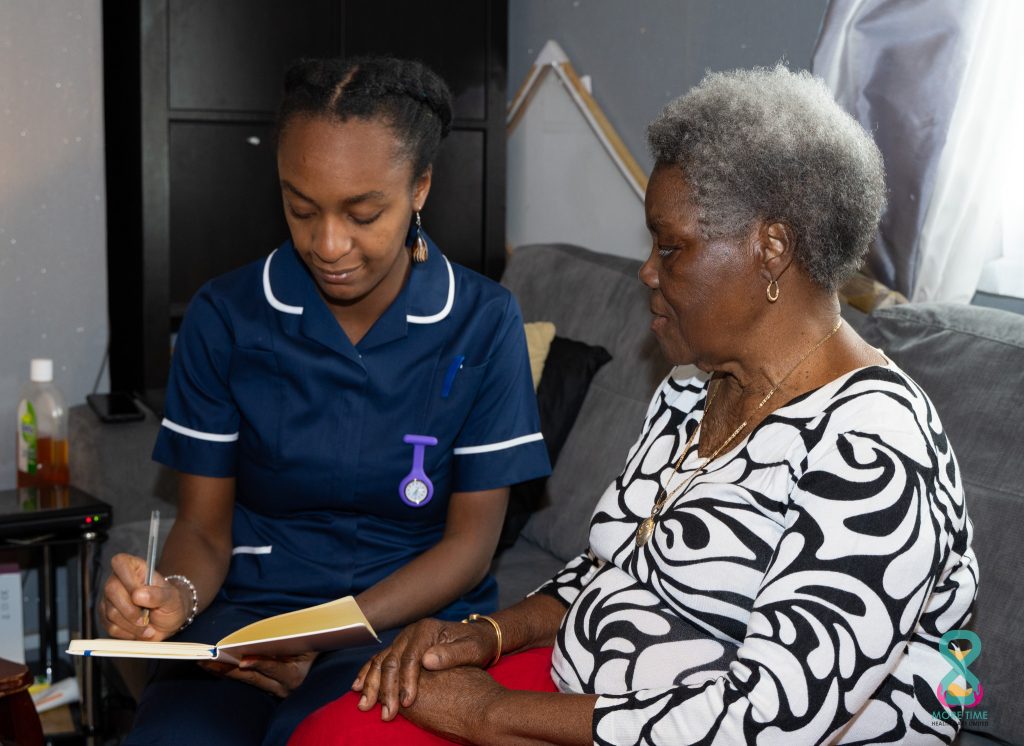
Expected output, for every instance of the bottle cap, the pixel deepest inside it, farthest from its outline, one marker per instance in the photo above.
(42, 370)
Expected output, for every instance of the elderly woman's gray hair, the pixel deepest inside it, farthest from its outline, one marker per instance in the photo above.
(770, 144)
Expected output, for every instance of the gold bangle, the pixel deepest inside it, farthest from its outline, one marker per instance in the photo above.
(497, 631)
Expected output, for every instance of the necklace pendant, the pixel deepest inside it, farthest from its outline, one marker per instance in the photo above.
(644, 531)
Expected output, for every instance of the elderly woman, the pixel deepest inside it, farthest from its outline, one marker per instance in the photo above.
(788, 540)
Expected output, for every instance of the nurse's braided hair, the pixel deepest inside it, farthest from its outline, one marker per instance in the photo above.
(410, 97)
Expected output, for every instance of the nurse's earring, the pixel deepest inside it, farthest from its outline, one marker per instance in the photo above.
(419, 246)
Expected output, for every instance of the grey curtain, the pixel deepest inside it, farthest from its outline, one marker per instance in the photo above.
(897, 67)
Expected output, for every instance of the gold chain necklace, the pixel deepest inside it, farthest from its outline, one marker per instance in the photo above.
(646, 527)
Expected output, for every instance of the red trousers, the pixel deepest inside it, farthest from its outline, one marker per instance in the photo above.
(341, 723)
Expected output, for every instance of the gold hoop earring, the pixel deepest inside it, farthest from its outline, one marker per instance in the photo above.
(772, 297)
(419, 246)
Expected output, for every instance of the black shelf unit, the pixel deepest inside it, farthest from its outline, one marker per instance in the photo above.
(190, 92)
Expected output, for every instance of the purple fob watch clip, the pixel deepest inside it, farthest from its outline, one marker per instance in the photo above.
(417, 489)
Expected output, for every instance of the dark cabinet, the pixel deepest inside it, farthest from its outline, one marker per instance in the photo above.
(423, 31)
(228, 55)
(191, 89)
(224, 201)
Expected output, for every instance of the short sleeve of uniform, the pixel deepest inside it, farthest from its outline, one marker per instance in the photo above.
(501, 444)
(199, 433)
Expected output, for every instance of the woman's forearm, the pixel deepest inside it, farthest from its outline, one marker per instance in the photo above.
(448, 569)
(204, 561)
(435, 579)
(428, 583)
(199, 544)
(531, 623)
(518, 718)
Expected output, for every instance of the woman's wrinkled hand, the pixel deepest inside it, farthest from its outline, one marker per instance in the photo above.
(454, 704)
(279, 676)
(126, 596)
(392, 676)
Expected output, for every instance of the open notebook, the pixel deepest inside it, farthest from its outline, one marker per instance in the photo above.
(330, 626)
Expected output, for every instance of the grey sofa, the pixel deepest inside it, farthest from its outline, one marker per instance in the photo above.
(970, 360)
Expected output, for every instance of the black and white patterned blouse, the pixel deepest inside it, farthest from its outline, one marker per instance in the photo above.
(795, 593)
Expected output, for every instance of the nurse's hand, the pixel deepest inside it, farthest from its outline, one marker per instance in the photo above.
(126, 595)
(279, 676)
(391, 677)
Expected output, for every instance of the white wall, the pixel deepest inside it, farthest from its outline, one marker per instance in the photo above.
(563, 185)
(641, 54)
(53, 276)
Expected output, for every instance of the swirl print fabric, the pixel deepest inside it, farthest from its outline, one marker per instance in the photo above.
(794, 593)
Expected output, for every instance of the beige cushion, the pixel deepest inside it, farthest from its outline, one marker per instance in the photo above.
(538, 341)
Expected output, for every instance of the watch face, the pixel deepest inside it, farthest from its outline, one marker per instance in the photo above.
(416, 491)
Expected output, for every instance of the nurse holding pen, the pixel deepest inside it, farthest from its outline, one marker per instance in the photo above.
(346, 415)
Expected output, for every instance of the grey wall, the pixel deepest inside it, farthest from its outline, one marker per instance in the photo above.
(53, 276)
(643, 53)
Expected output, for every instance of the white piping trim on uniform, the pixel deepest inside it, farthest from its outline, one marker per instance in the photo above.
(447, 306)
(274, 302)
(214, 437)
(498, 446)
(253, 550)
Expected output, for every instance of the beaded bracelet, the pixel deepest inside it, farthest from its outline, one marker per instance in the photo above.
(497, 631)
(195, 598)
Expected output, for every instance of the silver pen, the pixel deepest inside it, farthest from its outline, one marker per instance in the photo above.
(154, 529)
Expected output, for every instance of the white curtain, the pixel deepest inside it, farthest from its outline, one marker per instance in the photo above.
(940, 84)
(973, 233)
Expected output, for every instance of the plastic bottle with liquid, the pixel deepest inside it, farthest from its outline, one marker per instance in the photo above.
(42, 430)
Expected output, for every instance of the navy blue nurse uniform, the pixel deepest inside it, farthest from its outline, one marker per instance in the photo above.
(266, 387)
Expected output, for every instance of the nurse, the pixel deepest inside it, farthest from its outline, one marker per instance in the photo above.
(346, 415)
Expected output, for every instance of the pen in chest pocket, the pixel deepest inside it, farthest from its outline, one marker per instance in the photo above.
(449, 378)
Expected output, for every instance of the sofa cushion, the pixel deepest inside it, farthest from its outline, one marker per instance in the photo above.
(592, 457)
(970, 361)
(593, 298)
(522, 569)
(597, 299)
(539, 336)
(569, 369)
